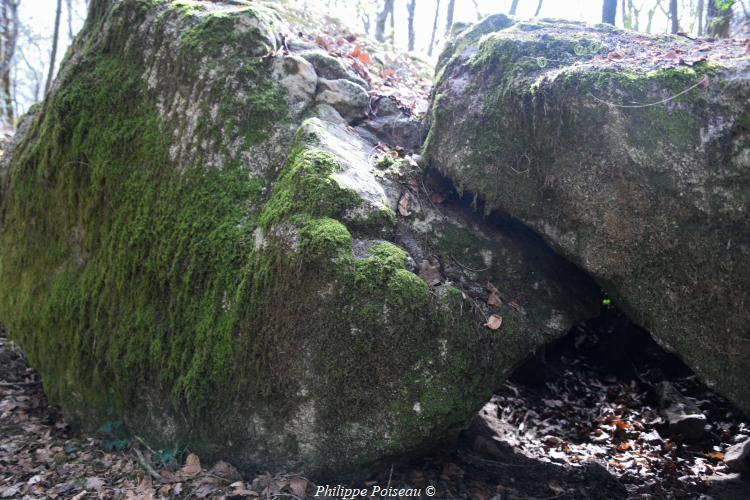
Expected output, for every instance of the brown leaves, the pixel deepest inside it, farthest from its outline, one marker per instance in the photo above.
(192, 465)
(437, 198)
(494, 300)
(494, 322)
(403, 204)
(298, 486)
(624, 446)
(360, 55)
(648, 53)
(392, 74)
(226, 471)
(239, 489)
(715, 455)
(429, 273)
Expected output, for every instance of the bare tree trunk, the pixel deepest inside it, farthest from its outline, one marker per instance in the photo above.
(69, 8)
(411, 7)
(609, 11)
(719, 18)
(53, 53)
(513, 7)
(634, 15)
(434, 29)
(650, 16)
(381, 20)
(392, 34)
(8, 42)
(701, 8)
(538, 8)
(476, 10)
(449, 16)
(674, 17)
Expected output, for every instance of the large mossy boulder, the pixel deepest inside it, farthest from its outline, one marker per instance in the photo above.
(629, 154)
(196, 244)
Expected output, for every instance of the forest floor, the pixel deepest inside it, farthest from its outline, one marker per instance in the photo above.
(569, 428)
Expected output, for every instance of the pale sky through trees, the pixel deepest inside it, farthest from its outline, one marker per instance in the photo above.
(38, 18)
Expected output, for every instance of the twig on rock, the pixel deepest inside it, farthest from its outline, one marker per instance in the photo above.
(146, 466)
(703, 81)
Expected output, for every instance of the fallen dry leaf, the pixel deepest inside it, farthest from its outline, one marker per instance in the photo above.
(614, 56)
(494, 300)
(437, 198)
(360, 55)
(429, 273)
(494, 322)
(515, 305)
(403, 204)
(226, 471)
(192, 465)
(715, 455)
(624, 446)
(298, 486)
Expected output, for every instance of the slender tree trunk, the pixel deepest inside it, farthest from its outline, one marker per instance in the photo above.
(634, 16)
(719, 18)
(674, 16)
(434, 29)
(476, 10)
(8, 42)
(650, 16)
(701, 8)
(69, 8)
(53, 53)
(381, 20)
(392, 34)
(538, 8)
(411, 7)
(609, 11)
(513, 7)
(449, 16)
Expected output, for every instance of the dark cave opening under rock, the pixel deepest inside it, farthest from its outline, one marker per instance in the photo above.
(607, 396)
(607, 393)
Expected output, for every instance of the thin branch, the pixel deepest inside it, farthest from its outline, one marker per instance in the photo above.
(663, 101)
(146, 466)
(467, 267)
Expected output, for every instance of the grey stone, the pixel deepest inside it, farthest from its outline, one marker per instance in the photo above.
(298, 78)
(651, 201)
(331, 68)
(683, 415)
(737, 457)
(349, 99)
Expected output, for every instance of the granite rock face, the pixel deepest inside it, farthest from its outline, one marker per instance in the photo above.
(195, 242)
(630, 156)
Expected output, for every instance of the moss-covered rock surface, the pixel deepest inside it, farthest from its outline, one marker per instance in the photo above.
(629, 154)
(196, 248)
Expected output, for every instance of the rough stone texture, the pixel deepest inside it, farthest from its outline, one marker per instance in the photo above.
(349, 99)
(331, 68)
(737, 457)
(394, 126)
(651, 201)
(191, 245)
